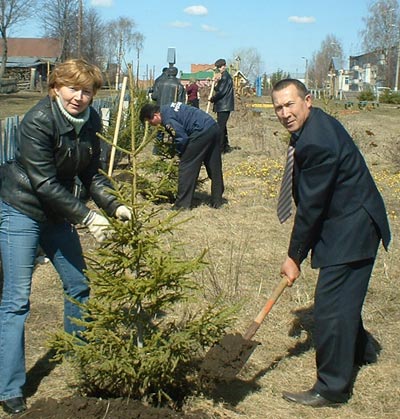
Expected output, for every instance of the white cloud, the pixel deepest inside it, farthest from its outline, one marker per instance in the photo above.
(208, 28)
(301, 19)
(102, 3)
(196, 10)
(179, 24)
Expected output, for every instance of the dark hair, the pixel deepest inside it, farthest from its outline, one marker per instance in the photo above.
(219, 63)
(164, 70)
(282, 84)
(172, 71)
(147, 112)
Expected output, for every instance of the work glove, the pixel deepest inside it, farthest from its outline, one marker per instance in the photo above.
(123, 213)
(97, 225)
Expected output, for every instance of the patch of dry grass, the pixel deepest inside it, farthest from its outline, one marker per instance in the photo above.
(246, 245)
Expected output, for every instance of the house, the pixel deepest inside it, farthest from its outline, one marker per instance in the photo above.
(203, 73)
(241, 83)
(29, 60)
(339, 79)
(373, 69)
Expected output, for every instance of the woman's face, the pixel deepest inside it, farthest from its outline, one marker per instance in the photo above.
(75, 99)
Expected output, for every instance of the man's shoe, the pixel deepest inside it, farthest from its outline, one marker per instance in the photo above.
(309, 398)
(216, 204)
(14, 405)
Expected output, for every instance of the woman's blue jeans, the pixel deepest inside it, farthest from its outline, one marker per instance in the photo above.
(19, 239)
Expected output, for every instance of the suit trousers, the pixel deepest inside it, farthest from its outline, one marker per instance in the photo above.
(340, 338)
(202, 149)
(222, 119)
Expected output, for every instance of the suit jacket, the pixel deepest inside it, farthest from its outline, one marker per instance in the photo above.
(340, 214)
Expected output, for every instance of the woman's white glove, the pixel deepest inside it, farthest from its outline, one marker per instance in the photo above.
(97, 225)
(123, 213)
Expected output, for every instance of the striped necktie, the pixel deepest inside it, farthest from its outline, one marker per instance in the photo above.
(284, 209)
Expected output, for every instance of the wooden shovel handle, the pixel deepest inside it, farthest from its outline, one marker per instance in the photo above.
(210, 96)
(251, 331)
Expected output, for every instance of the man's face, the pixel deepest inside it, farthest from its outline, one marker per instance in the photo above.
(156, 120)
(291, 110)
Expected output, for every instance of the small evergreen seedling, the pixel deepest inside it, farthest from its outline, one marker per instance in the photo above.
(145, 327)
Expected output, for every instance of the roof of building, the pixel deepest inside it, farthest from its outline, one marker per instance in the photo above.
(336, 63)
(194, 68)
(42, 48)
(199, 75)
(26, 62)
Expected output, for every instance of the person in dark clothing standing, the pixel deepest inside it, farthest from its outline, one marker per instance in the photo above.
(192, 92)
(161, 77)
(169, 89)
(341, 217)
(223, 100)
(196, 138)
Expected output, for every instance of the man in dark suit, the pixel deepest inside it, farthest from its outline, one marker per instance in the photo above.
(341, 217)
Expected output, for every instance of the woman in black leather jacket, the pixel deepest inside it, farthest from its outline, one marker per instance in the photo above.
(57, 143)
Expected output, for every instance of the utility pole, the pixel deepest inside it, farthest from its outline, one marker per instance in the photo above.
(396, 81)
(80, 26)
(119, 64)
(306, 72)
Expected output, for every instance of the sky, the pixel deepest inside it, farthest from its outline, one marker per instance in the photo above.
(285, 34)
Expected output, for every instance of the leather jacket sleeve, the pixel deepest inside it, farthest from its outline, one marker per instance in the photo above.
(49, 157)
(223, 98)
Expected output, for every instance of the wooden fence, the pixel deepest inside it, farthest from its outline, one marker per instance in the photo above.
(9, 127)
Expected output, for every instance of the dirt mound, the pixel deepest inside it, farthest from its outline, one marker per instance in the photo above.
(77, 407)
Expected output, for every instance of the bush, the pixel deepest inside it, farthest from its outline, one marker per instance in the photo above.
(389, 96)
(366, 95)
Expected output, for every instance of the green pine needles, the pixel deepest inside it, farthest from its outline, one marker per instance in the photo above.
(147, 326)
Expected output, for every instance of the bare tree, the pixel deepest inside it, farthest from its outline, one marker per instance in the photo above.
(381, 36)
(138, 40)
(248, 61)
(60, 19)
(12, 13)
(120, 39)
(92, 43)
(318, 67)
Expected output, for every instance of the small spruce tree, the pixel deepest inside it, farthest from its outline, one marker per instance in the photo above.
(145, 325)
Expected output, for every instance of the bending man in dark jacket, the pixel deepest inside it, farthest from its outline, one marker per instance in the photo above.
(196, 137)
(223, 99)
(341, 218)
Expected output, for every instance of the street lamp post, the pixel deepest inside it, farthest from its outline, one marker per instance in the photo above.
(306, 72)
(396, 81)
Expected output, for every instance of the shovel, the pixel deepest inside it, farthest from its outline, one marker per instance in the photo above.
(227, 357)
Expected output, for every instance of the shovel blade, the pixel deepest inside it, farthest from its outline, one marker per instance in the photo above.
(226, 358)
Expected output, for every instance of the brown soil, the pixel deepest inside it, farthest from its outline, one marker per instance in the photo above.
(246, 245)
(83, 407)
